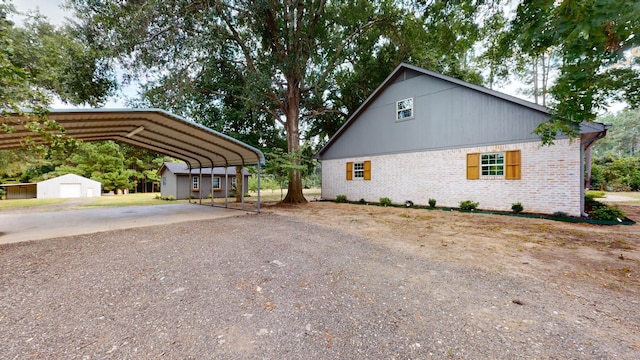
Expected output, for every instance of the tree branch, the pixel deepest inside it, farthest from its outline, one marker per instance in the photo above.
(333, 63)
(235, 36)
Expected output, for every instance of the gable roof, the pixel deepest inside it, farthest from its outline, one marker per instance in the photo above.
(69, 177)
(152, 129)
(182, 169)
(402, 67)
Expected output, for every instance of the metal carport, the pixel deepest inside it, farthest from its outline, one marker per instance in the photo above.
(152, 129)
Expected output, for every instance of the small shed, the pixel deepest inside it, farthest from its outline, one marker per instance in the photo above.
(69, 186)
(20, 191)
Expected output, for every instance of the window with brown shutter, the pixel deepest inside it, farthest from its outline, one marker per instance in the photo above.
(495, 165)
(349, 171)
(367, 170)
(473, 166)
(512, 165)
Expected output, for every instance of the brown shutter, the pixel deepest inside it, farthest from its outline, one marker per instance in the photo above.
(367, 170)
(512, 165)
(473, 166)
(349, 171)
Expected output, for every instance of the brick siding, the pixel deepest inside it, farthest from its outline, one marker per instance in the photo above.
(550, 179)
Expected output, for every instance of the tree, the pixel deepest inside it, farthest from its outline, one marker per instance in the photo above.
(591, 38)
(287, 53)
(40, 61)
(60, 63)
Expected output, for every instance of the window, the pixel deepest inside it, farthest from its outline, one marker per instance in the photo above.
(195, 183)
(215, 184)
(492, 164)
(233, 182)
(498, 165)
(404, 109)
(359, 170)
(164, 180)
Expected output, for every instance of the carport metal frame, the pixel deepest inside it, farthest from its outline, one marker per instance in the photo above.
(151, 129)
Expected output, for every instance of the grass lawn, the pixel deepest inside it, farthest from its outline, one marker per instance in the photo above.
(129, 200)
(266, 196)
(27, 203)
(630, 194)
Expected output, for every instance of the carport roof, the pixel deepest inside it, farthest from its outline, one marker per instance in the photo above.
(152, 129)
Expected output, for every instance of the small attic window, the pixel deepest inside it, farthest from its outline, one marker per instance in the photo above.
(404, 109)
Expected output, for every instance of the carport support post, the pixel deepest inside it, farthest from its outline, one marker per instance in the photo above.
(258, 208)
(226, 185)
(200, 186)
(211, 187)
(189, 184)
(241, 185)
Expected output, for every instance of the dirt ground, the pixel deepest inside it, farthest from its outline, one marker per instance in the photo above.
(554, 251)
(590, 261)
(330, 281)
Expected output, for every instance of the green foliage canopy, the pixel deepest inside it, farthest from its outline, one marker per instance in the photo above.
(592, 40)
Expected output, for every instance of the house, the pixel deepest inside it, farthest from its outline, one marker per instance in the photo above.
(422, 135)
(180, 182)
(68, 186)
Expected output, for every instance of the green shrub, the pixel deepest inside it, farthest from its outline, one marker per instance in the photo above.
(468, 205)
(517, 207)
(432, 203)
(385, 201)
(341, 198)
(171, 198)
(362, 201)
(607, 213)
(560, 214)
(158, 197)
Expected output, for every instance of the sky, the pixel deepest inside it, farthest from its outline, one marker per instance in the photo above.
(57, 16)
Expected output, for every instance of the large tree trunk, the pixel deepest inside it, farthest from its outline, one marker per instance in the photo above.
(292, 110)
(239, 183)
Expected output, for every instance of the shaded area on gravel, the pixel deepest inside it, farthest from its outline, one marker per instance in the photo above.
(270, 286)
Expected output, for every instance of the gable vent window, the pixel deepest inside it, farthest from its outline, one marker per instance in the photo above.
(404, 109)
(498, 165)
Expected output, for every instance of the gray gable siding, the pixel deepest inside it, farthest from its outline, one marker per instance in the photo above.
(446, 115)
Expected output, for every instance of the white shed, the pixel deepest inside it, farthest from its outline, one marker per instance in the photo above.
(69, 186)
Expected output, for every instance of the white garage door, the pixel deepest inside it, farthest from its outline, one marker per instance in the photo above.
(70, 190)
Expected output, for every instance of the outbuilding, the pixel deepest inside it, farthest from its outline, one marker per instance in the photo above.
(181, 182)
(68, 186)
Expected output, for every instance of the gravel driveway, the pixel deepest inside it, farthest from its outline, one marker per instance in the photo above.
(274, 287)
